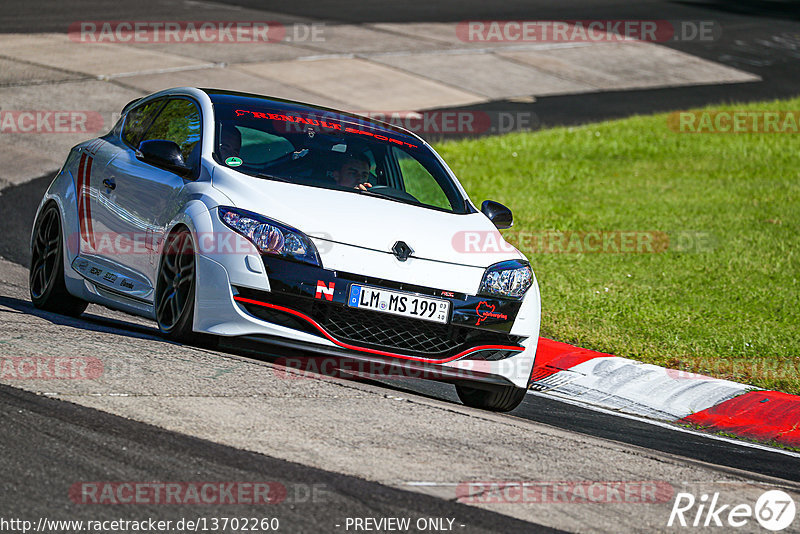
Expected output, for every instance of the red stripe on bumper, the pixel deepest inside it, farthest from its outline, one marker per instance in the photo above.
(373, 351)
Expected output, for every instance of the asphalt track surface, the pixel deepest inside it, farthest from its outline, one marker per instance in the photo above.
(633, 432)
(49, 444)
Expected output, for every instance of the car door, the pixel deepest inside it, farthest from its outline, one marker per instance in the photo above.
(101, 226)
(89, 174)
(144, 197)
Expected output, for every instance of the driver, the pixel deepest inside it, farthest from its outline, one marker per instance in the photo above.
(353, 172)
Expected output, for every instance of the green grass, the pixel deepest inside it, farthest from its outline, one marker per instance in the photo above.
(730, 310)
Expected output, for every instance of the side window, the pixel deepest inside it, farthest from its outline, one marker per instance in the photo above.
(179, 121)
(137, 121)
(419, 182)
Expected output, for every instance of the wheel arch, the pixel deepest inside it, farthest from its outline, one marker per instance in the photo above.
(55, 294)
(196, 218)
(62, 191)
(70, 239)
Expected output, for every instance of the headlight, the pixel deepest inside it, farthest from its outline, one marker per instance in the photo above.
(271, 237)
(507, 279)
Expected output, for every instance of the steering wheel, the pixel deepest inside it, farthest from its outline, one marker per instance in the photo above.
(291, 156)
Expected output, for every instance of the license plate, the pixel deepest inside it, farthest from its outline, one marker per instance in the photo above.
(397, 303)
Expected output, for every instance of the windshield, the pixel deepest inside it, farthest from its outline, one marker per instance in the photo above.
(332, 152)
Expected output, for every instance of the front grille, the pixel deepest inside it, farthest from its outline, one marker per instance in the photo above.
(377, 330)
(389, 331)
(279, 317)
(492, 355)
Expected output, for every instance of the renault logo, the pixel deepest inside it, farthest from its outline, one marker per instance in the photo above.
(402, 251)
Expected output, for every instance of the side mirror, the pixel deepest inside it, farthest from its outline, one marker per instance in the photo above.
(164, 154)
(500, 215)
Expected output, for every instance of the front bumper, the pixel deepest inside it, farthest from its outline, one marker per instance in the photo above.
(285, 307)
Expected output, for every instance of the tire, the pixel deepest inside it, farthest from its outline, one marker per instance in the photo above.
(497, 399)
(174, 298)
(46, 276)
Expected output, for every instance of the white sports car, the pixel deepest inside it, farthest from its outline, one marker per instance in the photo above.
(227, 214)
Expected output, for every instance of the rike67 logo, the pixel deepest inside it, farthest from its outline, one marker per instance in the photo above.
(774, 510)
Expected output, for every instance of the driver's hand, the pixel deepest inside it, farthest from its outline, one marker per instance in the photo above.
(364, 186)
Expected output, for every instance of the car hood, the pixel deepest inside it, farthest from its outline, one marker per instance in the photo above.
(369, 222)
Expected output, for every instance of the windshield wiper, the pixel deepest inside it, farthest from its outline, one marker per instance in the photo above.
(375, 194)
(387, 196)
(273, 177)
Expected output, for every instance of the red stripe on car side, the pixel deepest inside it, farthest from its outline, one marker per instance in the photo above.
(80, 198)
(87, 201)
(372, 351)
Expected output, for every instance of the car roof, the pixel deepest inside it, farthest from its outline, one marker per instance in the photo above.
(280, 104)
